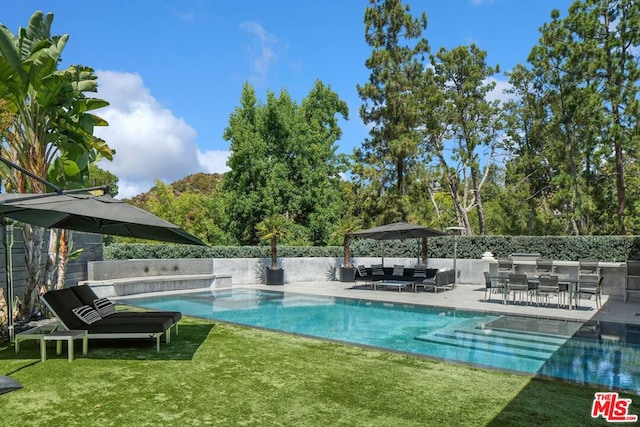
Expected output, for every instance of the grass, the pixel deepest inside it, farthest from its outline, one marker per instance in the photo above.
(220, 374)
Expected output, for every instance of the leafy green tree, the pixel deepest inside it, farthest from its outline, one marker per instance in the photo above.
(587, 65)
(387, 160)
(197, 213)
(283, 161)
(51, 133)
(473, 124)
(98, 177)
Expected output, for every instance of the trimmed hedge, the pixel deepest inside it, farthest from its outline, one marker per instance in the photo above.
(568, 248)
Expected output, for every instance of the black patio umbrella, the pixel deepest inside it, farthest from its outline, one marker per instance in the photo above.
(397, 230)
(91, 214)
(87, 213)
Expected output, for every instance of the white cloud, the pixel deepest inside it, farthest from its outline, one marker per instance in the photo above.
(214, 161)
(262, 52)
(150, 141)
(498, 91)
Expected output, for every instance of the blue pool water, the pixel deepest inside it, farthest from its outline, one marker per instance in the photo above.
(603, 354)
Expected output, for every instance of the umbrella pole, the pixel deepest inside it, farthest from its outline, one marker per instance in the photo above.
(8, 244)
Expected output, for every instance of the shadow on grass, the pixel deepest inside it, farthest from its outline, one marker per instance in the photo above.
(191, 335)
(546, 402)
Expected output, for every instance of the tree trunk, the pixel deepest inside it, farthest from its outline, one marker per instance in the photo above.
(52, 255)
(274, 254)
(347, 251)
(620, 188)
(4, 313)
(33, 245)
(63, 257)
(478, 201)
(424, 250)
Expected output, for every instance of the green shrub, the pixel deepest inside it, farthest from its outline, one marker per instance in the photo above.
(569, 248)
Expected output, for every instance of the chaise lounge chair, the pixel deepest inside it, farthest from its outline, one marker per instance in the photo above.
(87, 297)
(73, 314)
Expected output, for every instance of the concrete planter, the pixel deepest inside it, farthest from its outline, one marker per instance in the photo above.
(273, 277)
(347, 274)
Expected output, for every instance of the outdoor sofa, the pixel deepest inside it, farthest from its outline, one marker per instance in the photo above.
(377, 273)
(74, 314)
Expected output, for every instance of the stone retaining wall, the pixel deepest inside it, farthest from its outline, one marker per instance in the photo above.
(117, 278)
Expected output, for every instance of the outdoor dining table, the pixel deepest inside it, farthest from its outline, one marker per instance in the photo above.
(567, 280)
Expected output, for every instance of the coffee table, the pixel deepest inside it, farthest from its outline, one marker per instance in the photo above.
(393, 284)
(69, 336)
(34, 334)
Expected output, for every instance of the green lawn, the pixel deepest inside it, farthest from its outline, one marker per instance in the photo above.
(219, 374)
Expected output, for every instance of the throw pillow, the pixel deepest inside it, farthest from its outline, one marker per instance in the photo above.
(420, 271)
(104, 307)
(87, 314)
(398, 270)
(376, 270)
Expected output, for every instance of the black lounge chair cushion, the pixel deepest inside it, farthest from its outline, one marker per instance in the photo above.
(86, 295)
(62, 302)
(128, 325)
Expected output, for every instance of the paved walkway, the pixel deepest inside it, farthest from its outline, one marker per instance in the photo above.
(470, 297)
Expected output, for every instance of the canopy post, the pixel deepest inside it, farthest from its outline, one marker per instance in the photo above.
(454, 231)
(7, 239)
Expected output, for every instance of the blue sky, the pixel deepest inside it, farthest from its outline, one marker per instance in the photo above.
(173, 70)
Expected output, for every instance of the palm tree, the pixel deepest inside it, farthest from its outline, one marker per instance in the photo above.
(273, 228)
(51, 132)
(344, 228)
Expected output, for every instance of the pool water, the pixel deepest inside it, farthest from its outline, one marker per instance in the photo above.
(602, 354)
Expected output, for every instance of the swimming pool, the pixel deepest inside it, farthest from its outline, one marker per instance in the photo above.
(598, 353)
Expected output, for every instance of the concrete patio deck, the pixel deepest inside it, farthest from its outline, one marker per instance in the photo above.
(470, 297)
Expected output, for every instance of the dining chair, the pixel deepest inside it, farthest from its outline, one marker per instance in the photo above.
(588, 271)
(544, 266)
(547, 286)
(492, 285)
(591, 291)
(518, 285)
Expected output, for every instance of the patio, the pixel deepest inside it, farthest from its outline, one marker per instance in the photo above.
(470, 297)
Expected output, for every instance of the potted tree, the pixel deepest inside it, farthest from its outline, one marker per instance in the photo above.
(273, 228)
(344, 228)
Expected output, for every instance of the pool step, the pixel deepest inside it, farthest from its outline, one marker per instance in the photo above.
(519, 336)
(497, 342)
